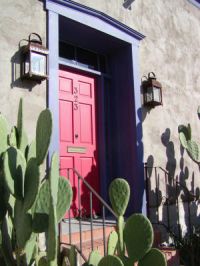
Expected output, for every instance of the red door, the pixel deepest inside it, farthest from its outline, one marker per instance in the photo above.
(78, 136)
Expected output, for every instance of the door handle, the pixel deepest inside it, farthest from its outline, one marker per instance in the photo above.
(76, 136)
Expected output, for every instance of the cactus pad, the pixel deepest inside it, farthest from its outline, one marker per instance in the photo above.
(54, 178)
(20, 120)
(52, 237)
(30, 247)
(152, 258)
(14, 165)
(13, 137)
(112, 243)
(120, 224)
(3, 134)
(31, 151)
(42, 203)
(110, 261)
(31, 183)
(94, 258)
(193, 150)
(65, 195)
(184, 135)
(72, 256)
(4, 199)
(119, 192)
(43, 135)
(23, 144)
(138, 236)
(41, 212)
(22, 223)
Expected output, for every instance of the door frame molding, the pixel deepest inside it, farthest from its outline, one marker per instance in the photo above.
(99, 21)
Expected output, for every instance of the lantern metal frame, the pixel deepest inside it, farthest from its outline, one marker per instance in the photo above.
(152, 90)
(34, 48)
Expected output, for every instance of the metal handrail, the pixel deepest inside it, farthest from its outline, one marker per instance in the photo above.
(92, 190)
(104, 205)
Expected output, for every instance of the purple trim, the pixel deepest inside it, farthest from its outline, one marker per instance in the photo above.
(53, 102)
(195, 2)
(140, 182)
(98, 14)
(107, 25)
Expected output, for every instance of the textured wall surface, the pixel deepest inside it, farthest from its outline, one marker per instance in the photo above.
(171, 49)
(17, 20)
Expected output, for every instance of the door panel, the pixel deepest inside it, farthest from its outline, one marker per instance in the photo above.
(78, 135)
(86, 124)
(66, 131)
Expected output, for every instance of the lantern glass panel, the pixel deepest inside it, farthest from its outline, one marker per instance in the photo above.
(38, 64)
(25, 64)
(157, 94)
(149, 95)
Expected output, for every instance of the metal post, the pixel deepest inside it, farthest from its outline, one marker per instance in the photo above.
(104, 232)
(80, 214)
(91, 224)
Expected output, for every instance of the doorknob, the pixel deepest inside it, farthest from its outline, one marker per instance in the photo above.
(76, 136)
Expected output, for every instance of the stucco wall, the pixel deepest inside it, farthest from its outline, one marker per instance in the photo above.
(17, 20)
(171, 50)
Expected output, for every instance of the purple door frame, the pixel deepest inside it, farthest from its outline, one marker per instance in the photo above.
(103, 23)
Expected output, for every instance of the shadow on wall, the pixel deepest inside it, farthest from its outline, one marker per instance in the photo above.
(16, 81)
(172, 206)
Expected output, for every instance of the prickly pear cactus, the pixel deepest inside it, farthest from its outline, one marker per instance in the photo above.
(191, 146)
(119, 193)
(110, 261)
(112, 243)
(40, 220)
(152, 258)
(22, 223)
(20, 187)
(193, 150)
(3, 134)
(73, 256)
(31, 150)
(184, 134)
(12, 139)
(43, 135)
(14, 166)
(120, 224)
(52, 244)
(94, 258)
(31, 183)
(138, 236)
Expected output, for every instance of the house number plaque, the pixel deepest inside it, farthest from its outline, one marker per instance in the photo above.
(76, 149)
(75, 92)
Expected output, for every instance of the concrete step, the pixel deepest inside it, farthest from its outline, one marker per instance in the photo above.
(87, 235)
(171, 254)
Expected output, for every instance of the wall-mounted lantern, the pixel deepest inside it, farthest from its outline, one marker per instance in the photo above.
(152, 91)
(34, 59)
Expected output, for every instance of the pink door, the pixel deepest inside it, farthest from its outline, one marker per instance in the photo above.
(78, 147)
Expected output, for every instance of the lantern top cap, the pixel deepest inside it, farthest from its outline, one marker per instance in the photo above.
(151, 75)
(36, 41)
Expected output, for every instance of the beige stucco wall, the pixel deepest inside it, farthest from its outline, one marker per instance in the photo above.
(171, 49)
(17, 20)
